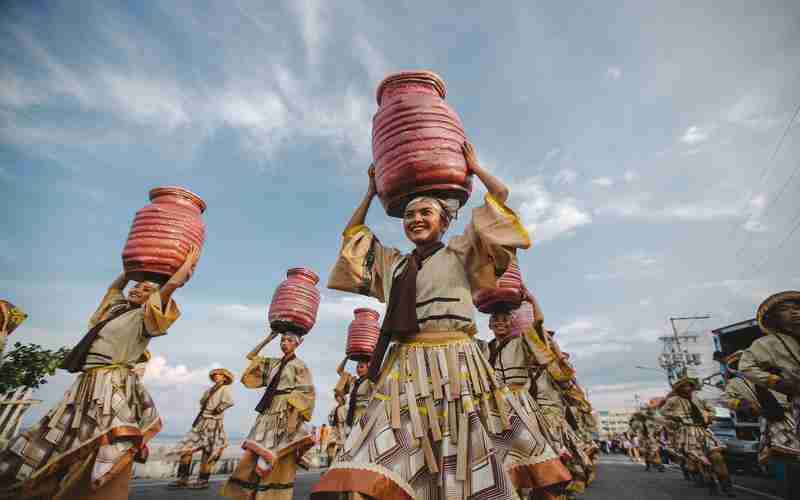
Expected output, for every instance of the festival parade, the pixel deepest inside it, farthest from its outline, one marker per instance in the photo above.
(377, 251)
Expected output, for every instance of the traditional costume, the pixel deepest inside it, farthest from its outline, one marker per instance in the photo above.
(427, 432)
(280, 435)
(514, 357)
(85, 446)
(767, 362)
(207, 435)
(694, 439)
(647, 429)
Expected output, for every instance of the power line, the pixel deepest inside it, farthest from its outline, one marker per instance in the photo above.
(788, 236)
(764, 170)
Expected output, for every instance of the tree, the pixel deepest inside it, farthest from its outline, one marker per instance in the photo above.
(27, 365)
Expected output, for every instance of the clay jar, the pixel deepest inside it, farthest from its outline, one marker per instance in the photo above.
(161, 233)
(295, 302)
(503, 298)
(362, 334)
(416, 142)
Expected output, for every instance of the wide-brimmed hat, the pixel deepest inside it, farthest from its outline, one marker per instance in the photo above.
(221, 371)
(766, 307)
(686, 380)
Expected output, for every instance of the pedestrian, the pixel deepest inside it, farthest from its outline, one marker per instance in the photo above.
(280, 435)
(207, 434)
(84, 448)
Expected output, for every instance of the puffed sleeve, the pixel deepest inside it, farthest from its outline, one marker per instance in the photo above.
(489, 242)
(755, 363)
(225, 400)
(732, 398)
(672, 409)
(537, 348)
(303, 396)
(256, 373)
(113, 297)
(363, 265)
(157, 319)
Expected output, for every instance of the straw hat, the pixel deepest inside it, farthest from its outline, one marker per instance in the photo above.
(732, 359)
(686, 380)
(766, 307)
(221, 371)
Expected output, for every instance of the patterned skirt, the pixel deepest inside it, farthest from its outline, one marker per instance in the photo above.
(208, 437)
(779, 440)
(440, 426)
(107, 408)
(696, 442)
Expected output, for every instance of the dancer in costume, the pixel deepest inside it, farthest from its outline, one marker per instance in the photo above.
(207, 435)
(426, 431)
(336, 422)
(280, 435)
(514, 357)
(695, 440)
(647, 429)
(359, 393)
(772, 362)
(85, 446)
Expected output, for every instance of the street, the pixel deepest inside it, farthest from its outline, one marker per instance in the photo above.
(618, 479)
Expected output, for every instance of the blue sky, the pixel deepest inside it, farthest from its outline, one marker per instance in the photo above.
(637, 139)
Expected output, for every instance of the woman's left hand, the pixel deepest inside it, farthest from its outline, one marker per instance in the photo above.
(469, 156)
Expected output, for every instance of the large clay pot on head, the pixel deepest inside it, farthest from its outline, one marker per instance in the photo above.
(506, 296)
(162, 232)
(362, 334)
(416, 142)
(295, 302)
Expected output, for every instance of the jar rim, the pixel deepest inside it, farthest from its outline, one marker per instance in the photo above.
(303, 271)
(422, 75)
(179, 191)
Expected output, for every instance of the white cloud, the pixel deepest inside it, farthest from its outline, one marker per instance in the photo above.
(637, 264)
(613, 72)
(312, 27)
(159, 373)
(603, 181)
(640, 205)
(341, 308)
(754, 223)
(695, 135)
(753, 111)
(552, 154)
(548, 217)
(630, 176)
(565, 176)
(370, 58)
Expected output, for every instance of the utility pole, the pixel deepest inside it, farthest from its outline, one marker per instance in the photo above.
(675, 357)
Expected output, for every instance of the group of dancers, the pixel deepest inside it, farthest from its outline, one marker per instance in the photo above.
(762, 383)
(435, 413)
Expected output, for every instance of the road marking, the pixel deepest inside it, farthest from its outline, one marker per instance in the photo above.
(756, 492)
(216, 478)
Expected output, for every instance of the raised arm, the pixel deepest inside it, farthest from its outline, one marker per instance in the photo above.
(257, 349)
(340, 368)
(119, 283)
(494, 185)
(181, 276)
(360, 214)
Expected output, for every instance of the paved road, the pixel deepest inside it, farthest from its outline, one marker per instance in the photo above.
(618, 479)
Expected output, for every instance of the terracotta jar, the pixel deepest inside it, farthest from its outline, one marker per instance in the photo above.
(161, 233)
(505, 297)
(362, 334)
(416, 142)
(523, 319)
(295, 302)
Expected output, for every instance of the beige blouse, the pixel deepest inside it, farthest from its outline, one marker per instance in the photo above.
(767, 353)
(678, 409)
(220, 401)
(447, 278)
(295, 381)
(124, 339)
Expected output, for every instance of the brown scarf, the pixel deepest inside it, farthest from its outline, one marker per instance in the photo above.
(351, 408)
(272, 387)
(76, 358)
(401, 311)
(205, 404)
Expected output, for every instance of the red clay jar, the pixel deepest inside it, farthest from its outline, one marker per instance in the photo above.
(505, 297)
(161, 233)
(362, 334)
(416, 142)
(295, 302)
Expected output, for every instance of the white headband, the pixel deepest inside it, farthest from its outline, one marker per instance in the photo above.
(297, 338)
(447, 206)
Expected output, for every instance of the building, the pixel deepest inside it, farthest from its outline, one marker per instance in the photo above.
(614, 421)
